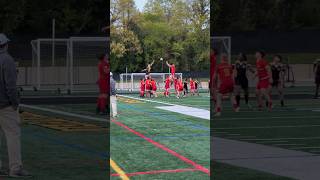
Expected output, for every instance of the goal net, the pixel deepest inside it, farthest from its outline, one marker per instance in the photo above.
(66, 64)
(84, 54)
(131, 81)
(222, 44)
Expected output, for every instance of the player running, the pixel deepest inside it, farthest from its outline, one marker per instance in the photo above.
(142, 87)
(172, 69)
(167, 86)
(264, 75)
(241, 68)
(225, 84)
(277, 69)
(316, 70)
(103, 82)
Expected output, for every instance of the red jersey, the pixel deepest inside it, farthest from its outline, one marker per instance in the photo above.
(180, 85)
(175, 83)
(167, 83)
(103, 69)
(142, 85)
(173, 69)
(148, 84)
(154, 85)
(262, 69)
(192, 85)
(225, 72)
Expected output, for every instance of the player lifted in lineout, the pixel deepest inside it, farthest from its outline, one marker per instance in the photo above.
(278, 70)
(264, 76)
(148, 68)
(172, 69)
(316, 70)
(225, 84)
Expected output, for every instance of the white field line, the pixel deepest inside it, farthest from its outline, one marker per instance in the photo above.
(186, 110)
(190, 111)
(64, 113)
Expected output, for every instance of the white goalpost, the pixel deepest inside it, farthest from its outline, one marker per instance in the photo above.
(131, 81)
(222, 44)
(75, 63)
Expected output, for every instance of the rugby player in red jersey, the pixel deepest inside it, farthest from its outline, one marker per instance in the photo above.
(142, 87)
(172, 69)
(103, 82)
(264, 77)
(225, 84)
(167, 86)
(192, 86)
(154, 87)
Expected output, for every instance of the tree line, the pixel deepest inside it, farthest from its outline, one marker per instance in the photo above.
(175, 30)
(35, 16)
(253, 15)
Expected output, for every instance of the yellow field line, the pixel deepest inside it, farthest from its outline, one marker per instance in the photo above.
(118, 170)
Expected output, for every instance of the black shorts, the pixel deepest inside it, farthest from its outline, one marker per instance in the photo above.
(243, 82)
(185, 87)
(275, 82)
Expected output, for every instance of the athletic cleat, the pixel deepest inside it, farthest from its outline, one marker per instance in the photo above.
(21, 173)
(237, 109)
(218, 114)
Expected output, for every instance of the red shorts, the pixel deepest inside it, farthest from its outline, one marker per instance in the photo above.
(226, 87)
(263, 84)
(154, 89)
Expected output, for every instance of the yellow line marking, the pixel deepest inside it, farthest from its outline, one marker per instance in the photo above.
(118, 170)
(59, 124)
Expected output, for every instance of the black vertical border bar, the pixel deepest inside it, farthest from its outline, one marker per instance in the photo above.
(211, 101)
(108, 50)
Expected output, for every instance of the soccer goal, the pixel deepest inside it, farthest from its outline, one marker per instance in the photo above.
(66, 64)
(131, 81)
(222, 44)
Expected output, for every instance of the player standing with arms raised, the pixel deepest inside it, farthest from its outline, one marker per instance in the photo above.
(264, 75)
(225, 84)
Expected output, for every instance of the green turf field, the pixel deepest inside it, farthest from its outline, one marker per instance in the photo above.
(56, 146)
(185, 135)
(295, 126)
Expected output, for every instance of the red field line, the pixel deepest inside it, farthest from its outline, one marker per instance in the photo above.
(186, 160)
(158, 172)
